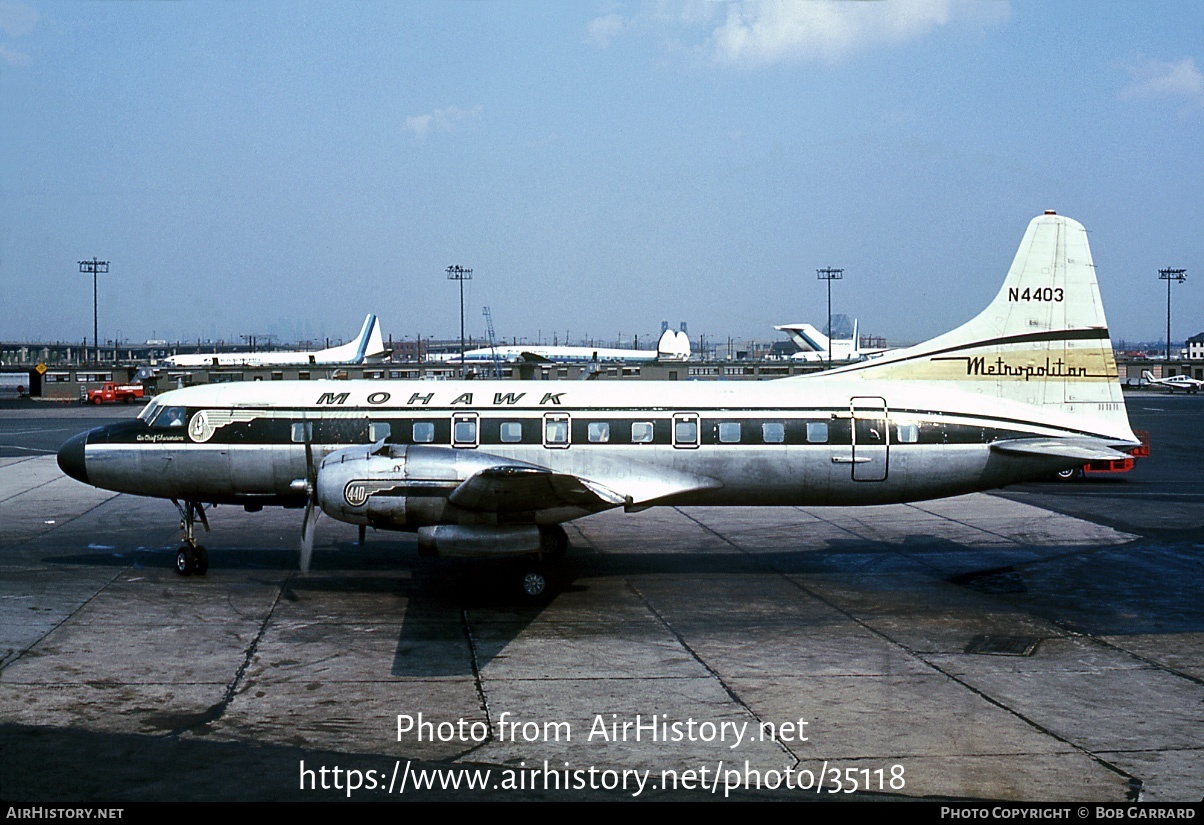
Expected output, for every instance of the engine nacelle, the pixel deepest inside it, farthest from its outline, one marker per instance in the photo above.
(398, 487)
(452, 540)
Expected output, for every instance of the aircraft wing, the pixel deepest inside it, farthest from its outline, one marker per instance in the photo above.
(518, 488)
(1087, 449)
(525, 488)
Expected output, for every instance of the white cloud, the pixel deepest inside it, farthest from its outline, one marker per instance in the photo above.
(443, 120)
(603, 29)
(17, 20)
(12, 58)
(762, 32)
(1159, 79)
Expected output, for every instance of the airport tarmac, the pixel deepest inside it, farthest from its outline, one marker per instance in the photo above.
(1042, 644)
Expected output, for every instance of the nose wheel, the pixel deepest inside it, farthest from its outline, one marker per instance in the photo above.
(192, 558)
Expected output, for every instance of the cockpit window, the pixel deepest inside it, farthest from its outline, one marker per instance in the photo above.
(168, 418)
(148, 412)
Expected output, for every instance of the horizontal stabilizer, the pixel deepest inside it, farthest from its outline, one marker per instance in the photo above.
(1085, 449)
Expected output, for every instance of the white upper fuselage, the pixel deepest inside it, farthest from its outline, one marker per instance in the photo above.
(516, 354)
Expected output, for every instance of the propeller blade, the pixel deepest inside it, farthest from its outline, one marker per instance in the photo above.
(311, 512)
(307, 534)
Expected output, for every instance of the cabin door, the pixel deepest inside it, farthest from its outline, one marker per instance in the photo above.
(871, 438)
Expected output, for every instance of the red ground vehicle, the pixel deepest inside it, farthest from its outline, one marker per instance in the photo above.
(1120, 465)
(111, 391)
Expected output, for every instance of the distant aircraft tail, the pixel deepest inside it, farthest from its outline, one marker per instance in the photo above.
(1148, 377)
(806, 337)
(1043, 340)
(367, 347)
(673, 346)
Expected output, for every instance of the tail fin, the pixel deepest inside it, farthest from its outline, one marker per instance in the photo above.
(806, 337)
(368, 346)
(372, 346)
(673, 346)
(1042, 341)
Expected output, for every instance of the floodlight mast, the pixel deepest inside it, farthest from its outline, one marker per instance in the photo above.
(461, 274)
(95, 267)
(828, 274)
(1169, 275)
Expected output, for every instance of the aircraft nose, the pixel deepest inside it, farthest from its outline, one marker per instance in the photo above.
(71, 457)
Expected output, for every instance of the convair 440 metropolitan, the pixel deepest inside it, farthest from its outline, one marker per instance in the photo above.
(489, 469)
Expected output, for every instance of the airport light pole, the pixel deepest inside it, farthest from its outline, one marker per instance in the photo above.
(1169, 275)
(461, 274)
(95, 267)
(828, 274)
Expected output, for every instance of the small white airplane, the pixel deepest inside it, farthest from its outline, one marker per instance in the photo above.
(672, 346)
(1174, 382)
(367, 348)
(815, 347)
(490, 469)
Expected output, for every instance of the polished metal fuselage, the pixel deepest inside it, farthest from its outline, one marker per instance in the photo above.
(877, 449)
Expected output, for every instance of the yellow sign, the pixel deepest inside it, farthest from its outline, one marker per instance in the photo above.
(41, 369)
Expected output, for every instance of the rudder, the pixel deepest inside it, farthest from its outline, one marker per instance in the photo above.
(1043, 340)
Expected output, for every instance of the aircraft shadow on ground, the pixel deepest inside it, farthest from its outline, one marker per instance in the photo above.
(1135, 588)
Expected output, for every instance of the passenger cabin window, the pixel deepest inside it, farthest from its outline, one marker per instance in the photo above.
(378, 432)
(817, 432)
(641, 432)
(908, 433)
(599, 432)
(685, 431)
(511, 432)
(556, 431)
(424, 432)
(300, 430)
(773, 432)
(464, 431)
(729, 432)
(869, 431)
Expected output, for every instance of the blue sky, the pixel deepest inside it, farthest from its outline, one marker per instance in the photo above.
(286, 168)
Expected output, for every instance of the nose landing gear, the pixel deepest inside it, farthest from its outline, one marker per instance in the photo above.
(191, 558)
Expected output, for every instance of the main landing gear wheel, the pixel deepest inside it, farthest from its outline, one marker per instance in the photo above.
(1073, 474)
(534, 582)
(553, 541)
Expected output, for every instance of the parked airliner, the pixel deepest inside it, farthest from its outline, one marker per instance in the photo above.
(494, 468)
(367, 348)
(817, 348)
(673, 345)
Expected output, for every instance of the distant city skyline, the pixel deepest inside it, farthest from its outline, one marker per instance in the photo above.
(286, 168)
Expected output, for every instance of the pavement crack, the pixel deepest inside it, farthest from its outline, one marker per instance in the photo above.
(686, 646)
(1135, 783)
(207, 717)
(482, 699)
